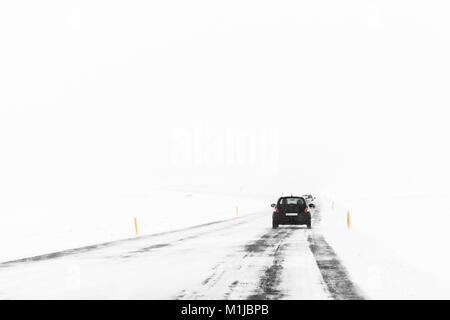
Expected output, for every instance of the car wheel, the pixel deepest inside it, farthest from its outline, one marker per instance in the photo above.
(308, 225)
(274, 224)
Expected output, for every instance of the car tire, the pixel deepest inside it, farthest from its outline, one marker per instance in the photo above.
(308, 225)
(274, 224)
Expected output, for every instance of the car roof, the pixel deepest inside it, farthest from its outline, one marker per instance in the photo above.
(285, 197)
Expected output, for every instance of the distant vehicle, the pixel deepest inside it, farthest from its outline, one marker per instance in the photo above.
(309, 200)
(291, 210)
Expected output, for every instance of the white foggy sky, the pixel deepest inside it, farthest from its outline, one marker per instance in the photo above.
(90, 92)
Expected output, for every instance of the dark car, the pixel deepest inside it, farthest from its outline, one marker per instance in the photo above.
(291, 210)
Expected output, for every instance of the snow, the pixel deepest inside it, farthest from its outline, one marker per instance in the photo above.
(301, 279)
(396, 247)
(65, 223)
(388, 250)
(211, 262)
(111, 111)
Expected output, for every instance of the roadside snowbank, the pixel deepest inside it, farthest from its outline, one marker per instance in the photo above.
(60, 222)
(396, 247)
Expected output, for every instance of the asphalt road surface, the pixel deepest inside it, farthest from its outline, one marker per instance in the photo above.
(241, 258)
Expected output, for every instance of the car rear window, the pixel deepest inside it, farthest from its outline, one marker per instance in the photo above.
(291, 201)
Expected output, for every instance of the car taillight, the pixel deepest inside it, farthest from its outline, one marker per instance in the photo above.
(276, 210)
(306, 209)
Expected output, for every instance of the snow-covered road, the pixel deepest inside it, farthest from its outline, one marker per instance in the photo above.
(241, 258)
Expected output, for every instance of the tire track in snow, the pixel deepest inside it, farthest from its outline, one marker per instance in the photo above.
(250, 270)
(335, 275)
(270, 280)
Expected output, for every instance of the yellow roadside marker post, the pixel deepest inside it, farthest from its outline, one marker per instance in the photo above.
(136, 226)
(348, 219)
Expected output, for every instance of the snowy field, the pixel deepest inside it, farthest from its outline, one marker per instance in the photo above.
(241, 258)
(396, 247)
(62, 222)
(391, 249)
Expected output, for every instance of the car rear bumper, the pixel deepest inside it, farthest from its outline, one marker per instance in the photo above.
(302, 218)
